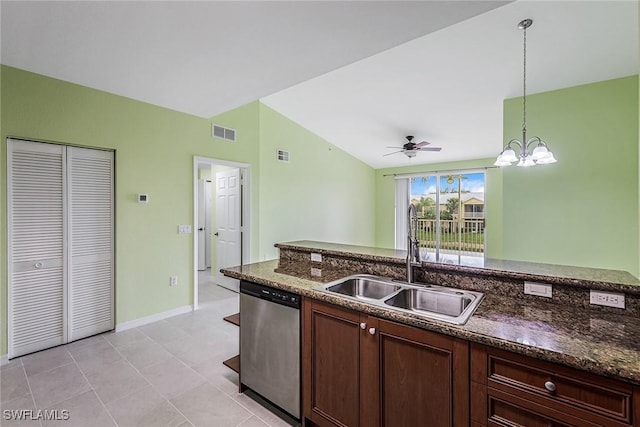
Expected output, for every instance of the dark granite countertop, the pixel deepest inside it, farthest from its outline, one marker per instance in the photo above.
(593, 278)
(598, 342)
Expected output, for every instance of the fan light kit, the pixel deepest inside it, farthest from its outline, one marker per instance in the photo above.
(410, 149)
(541, 154)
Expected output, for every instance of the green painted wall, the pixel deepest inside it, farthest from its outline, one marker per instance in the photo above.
(321, 194)
(582, 210)
(246, 121)
(385, 201)
(154, 154)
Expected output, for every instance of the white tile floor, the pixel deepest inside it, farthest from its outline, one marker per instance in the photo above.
(167, 373)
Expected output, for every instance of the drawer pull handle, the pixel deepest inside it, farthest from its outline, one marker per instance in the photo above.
(550, 386)
(363, 326)
(372, 331)
(37, 265)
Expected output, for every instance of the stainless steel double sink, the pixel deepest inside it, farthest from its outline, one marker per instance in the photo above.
(430, 301)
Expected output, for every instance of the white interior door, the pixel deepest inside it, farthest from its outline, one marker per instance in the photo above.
(207, 223)
(228, 224)
(36, 206)
(202, 236)
(90, 201)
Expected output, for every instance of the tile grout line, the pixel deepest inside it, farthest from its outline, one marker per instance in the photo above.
(252, 414)
(33, 399)
(93, 390)
(144, 378)
(45, 372)
(245, 407)
(133, 367)
(50, 369)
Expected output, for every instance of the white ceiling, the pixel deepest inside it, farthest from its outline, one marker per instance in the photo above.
(207, 57)
(360, 74)
(448, 87)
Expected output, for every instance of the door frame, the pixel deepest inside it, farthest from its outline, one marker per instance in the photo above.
(245, 202)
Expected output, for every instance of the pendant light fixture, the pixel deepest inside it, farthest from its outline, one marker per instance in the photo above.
(540, 154)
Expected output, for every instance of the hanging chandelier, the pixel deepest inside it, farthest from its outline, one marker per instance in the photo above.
(541, 154)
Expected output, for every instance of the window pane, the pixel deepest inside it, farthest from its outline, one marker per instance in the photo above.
(458, 201)
(423, 196)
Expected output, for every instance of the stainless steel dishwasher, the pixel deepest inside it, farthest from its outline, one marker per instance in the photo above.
(270, 344)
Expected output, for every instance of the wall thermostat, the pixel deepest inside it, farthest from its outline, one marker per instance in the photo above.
(143, 198)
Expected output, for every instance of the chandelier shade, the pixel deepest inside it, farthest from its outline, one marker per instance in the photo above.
(528, 155)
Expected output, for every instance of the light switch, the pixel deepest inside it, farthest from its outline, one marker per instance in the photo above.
(184, 229)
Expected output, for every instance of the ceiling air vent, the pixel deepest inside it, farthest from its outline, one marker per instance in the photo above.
(224, 133)
(282, 155)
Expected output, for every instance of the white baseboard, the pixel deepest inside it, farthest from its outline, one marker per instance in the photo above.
(153, 318)
(4, 358)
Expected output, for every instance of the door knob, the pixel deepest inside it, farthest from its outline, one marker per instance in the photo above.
(363, 326)
(550, 386)
(38, 265)
(372, 331)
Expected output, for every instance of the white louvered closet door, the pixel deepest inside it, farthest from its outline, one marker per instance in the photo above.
(36, 204)
(90, 195)
(61, 247)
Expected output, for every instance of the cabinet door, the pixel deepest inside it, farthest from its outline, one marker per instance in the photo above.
(424, 377)
(331, 350)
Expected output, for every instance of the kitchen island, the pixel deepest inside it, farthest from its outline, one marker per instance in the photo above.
(564, 330)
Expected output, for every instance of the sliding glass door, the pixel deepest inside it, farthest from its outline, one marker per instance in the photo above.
(450, 214)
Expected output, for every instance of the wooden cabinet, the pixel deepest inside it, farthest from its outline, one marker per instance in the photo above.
(514, 390)
(359, 370)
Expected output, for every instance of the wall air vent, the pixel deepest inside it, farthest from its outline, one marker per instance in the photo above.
(223, 133)
(282, 155)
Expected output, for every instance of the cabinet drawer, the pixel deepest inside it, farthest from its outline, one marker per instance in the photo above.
(505, 411)
(549, 384)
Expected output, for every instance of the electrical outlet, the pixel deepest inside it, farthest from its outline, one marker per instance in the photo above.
(538, 289)
(609, 299)
(173, 281)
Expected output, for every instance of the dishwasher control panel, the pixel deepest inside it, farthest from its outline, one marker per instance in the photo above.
(271, 294)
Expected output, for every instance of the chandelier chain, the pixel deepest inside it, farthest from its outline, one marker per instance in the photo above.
(524, 82)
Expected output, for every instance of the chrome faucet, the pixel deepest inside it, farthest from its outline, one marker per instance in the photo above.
(413, 248)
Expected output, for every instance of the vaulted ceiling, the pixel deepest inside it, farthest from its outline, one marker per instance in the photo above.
(360, 74)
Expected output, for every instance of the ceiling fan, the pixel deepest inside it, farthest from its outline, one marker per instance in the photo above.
(410, 149)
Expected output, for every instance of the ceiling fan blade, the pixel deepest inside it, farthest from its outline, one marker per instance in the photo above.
(393, 153)
(429, 148)
(422, 144)
(395, 147)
